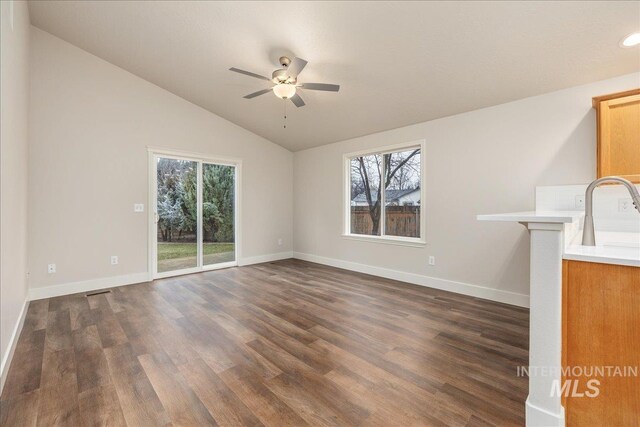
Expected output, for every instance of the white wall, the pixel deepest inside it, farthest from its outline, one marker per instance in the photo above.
(606, 210)
(91, 123)
(484, 161)
(14, 94)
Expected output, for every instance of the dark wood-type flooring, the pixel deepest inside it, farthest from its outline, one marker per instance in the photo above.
(276, 344)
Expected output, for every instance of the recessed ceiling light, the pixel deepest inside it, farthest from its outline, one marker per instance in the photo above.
(631, 40)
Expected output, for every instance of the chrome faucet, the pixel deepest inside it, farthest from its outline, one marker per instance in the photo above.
(588, 233)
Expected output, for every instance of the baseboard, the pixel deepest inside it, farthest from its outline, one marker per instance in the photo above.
(497, 295)
(265, 258)
(539, 417)
(13, 341)
(417, 279)
(129, 279)
(87, 285)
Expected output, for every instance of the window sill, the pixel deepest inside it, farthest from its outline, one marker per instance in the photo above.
(416, 243)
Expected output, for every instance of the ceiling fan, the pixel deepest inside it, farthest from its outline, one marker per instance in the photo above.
(285, 81)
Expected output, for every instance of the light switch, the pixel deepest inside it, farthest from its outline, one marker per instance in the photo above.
(138, 207)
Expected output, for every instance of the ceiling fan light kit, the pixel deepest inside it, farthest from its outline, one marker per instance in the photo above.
(285, 81)
(284, 90)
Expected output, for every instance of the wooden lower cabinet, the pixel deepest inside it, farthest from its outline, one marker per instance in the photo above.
(601, 328)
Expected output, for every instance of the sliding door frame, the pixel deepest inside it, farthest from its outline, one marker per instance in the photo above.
(200, 159)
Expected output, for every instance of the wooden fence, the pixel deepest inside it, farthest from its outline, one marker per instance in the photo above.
(400, 220)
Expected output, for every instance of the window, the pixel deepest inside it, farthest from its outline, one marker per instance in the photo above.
(385, 194)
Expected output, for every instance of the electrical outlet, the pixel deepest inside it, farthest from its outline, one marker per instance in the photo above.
(138, 207)
(625, 205)
(279, 242)
(432, 260)
(580, 201)
(51, 268)
(114, 259)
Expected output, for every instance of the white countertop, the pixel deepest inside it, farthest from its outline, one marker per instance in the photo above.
(620, 248)
(557, 217)
(612, 247)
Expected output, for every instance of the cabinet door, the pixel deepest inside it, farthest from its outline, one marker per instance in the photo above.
(602, 329)
(619, 137)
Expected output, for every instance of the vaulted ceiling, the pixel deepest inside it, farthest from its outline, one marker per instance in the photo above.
(398, 63)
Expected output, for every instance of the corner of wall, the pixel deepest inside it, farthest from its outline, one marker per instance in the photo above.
(15, 63)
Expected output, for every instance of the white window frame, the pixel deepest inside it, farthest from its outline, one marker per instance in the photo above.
(395, 240)
(200, 159)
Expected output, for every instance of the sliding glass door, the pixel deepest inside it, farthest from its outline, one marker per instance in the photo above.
(218, 213)
(194, 214)
(177, 214)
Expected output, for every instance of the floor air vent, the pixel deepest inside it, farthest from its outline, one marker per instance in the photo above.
(98, 293)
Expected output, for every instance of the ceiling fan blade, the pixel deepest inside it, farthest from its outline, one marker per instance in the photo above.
(320, 86)
(249, 73)
(297, 101)
(258, 93)
(296, 67)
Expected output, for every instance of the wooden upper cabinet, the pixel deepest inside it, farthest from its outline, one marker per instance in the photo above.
(618, 121)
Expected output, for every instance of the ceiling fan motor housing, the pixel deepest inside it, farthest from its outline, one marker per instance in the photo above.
(281, 76)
